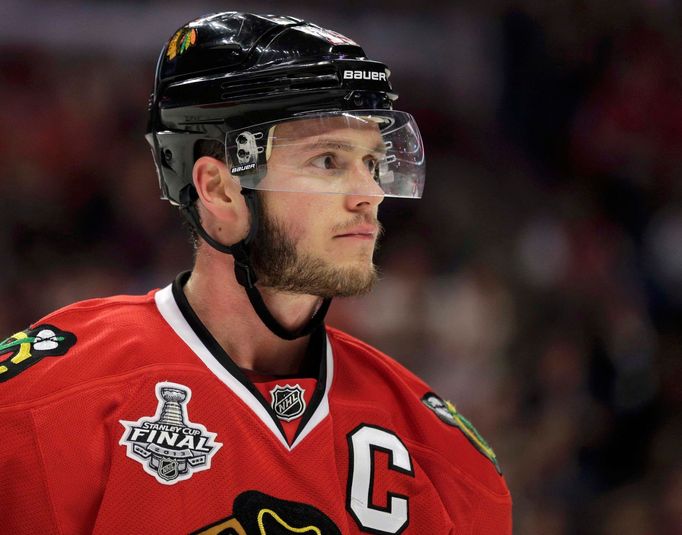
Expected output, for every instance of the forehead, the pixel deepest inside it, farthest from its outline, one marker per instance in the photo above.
(356, 130)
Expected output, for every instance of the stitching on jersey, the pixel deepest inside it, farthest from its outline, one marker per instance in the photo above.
(427, 450)
(110, 446)
(404, 373)
(41, 460)
(102, 302)
(97, 382)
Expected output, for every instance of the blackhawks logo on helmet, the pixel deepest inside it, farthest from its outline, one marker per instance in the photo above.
(183, 39)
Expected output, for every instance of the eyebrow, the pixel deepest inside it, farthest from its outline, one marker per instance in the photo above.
(341, 144)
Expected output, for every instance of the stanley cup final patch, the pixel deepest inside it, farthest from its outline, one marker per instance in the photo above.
(288, 402)
(167, 445)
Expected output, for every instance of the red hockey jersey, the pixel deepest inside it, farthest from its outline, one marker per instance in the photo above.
(124, 415)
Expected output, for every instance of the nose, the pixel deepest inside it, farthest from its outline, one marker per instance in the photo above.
(363, 191)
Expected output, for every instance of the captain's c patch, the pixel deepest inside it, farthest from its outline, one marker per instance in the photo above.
(26, 348)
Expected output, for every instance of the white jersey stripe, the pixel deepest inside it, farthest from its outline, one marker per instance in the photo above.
(169, 310)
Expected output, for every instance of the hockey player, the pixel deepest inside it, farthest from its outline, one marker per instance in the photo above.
(222, 403)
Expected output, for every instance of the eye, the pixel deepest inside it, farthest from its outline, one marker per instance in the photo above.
(324, 162)
(372, 164)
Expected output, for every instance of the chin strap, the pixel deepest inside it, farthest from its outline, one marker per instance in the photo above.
(243, 271)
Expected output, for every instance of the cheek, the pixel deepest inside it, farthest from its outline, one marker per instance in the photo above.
(306, 227)
(309, 225)
(296, 214)
(307, 218)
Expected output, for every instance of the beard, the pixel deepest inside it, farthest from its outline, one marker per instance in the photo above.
(280, 265)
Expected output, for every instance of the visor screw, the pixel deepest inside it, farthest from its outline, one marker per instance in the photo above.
(167, 155)
(241, 139)
(241, 153)
(357, 100)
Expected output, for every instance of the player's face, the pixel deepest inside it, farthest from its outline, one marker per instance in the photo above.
(314, 243)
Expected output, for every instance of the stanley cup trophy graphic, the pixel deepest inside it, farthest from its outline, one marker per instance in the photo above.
(172, 412)
(169, 462)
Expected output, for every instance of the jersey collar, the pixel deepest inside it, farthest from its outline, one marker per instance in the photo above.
(176, 310)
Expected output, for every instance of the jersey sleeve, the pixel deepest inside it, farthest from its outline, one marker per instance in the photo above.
(56, 402)
(486, 504)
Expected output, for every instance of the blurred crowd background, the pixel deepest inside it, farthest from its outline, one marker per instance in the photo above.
(538, 284)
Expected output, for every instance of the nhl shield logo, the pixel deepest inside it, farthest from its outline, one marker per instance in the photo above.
(287, 402)
(167, 445)
(168, 469)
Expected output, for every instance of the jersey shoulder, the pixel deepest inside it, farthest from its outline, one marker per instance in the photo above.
(362, 356)
(80, 343)
(374, 358)
(368, 376)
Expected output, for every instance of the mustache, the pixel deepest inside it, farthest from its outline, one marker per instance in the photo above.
(360, 219)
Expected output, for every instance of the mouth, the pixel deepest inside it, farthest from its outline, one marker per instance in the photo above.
(364, 232)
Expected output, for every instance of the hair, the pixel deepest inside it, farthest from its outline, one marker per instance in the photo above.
(209, 147)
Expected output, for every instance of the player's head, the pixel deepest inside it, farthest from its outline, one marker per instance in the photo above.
(298, 112)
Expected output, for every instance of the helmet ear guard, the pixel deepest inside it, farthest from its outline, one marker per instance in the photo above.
(174, 158)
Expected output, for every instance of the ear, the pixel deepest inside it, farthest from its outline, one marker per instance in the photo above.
(223, 209)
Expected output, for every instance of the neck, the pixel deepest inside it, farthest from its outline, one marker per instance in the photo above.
(224, 308)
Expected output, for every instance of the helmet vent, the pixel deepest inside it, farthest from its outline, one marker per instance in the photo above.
(354, 52)
(313, 81)
(304, 80)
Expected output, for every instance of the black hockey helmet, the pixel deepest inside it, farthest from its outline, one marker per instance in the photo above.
(231, 76)
(238, 78)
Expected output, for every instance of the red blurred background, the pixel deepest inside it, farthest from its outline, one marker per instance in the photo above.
(538, 283)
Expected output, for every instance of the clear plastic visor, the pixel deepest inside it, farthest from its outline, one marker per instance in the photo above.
(361, 152)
